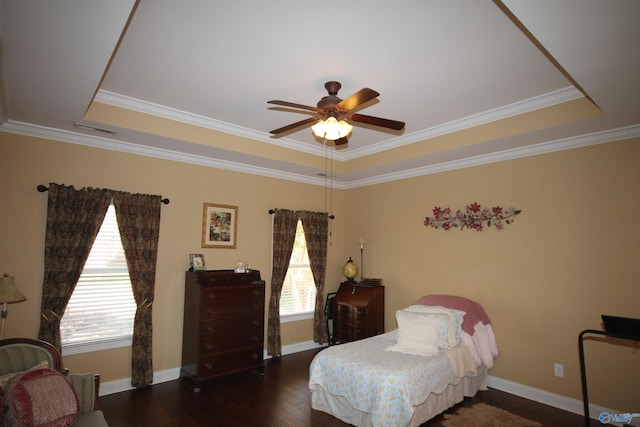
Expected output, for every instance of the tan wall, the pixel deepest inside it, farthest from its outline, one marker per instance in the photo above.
(573, 254)
(26, 162)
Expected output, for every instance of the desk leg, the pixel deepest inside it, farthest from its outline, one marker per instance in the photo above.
(583, 376)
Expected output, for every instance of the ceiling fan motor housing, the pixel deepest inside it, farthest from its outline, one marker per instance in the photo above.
(331, 99)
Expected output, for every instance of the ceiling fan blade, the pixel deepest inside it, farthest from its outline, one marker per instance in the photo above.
(377, 121)
(294, 105)
(341, 141)
(357, 99)
(301, 123)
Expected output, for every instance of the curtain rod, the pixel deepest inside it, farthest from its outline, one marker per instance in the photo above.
(43, 188)
(272, 211)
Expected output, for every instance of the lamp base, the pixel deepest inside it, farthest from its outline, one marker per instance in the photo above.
(3, 315)
(361, 263)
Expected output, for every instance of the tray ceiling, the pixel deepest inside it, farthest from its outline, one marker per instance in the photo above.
(474, 81)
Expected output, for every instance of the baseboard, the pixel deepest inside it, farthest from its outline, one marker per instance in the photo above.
(557, 401)
(124, 384)
(297, 347)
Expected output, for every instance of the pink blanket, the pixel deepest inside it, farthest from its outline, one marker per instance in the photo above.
(474, 311)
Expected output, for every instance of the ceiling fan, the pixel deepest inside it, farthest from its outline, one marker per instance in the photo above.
(332, 113)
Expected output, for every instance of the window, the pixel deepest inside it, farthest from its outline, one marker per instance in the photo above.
(299, 289)
(101, 310)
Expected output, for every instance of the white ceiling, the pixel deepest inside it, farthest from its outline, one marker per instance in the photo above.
(441, 66)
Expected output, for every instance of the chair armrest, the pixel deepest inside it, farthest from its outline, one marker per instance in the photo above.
(86, 387)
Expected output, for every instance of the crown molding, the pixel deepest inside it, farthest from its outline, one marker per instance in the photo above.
(104, 143)
(145, 107)
(510, 154)
(143, 150)
(559, 96)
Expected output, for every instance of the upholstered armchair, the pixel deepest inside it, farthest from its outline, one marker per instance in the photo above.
(35, 389)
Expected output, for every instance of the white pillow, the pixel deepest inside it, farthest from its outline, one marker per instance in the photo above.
(450, 329)
(417, 334)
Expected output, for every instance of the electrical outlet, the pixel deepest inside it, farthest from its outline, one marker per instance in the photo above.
(558, 370)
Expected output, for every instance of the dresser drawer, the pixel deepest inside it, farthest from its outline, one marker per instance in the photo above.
(230, 362)
(218, 344)
(225, 327)
(231, 309)
(225, 294)
(228, 277)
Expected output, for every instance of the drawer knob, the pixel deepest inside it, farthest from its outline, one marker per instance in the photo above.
(210, 329)
(209, 366)
(254, 338)
(209, 346)
(212, 295)
(254, 356)
(255, 322)
(256, 292)
(210, 310)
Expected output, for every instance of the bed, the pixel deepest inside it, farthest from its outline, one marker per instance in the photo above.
(439, 354)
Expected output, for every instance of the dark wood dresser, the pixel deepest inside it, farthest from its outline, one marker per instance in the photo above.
(358, 312)
(223, 330)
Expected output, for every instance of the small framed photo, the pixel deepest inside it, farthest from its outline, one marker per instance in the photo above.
(197, 262)
(219, 226)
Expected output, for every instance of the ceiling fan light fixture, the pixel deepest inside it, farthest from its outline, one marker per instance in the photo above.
(333, 108)
(331, 129)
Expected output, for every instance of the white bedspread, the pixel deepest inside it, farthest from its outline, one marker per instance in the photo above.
(386, 384)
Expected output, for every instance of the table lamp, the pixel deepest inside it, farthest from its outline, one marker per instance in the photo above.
(9, 294)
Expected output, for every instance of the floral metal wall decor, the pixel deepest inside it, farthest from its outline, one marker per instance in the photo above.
(473, 217)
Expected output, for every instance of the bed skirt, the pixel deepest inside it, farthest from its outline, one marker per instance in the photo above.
(339, 406)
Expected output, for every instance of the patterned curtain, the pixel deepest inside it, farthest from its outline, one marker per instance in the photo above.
(73, 221)
(138, 218)
(316, 225)
(284, 234)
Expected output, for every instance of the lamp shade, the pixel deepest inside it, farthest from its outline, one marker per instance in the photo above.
(331, 129)
(9, 292)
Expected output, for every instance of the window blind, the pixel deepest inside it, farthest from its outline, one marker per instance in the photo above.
(102, 307)
(299, 289)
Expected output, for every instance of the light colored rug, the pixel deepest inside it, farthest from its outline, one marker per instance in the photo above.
(483, 415)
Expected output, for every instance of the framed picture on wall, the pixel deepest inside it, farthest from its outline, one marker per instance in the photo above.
(219, 226)
(197, 262)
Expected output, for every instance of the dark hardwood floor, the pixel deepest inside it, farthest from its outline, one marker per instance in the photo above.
(279, 398)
